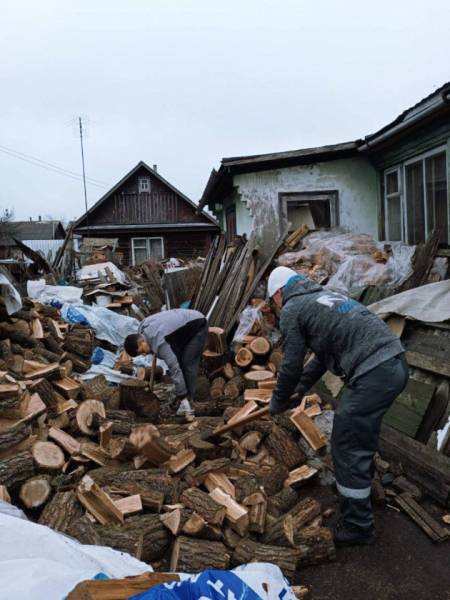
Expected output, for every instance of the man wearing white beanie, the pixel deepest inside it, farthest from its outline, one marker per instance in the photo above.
(353, 343)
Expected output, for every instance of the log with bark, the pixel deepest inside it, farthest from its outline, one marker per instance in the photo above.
(217, 387)
(144, 373)
(248, 551)
(234, 387)
(216, 340)
(244, 358)
(194, 555)
(47, 457)
(62, 510)
(284, 449)
(314, 545)
(97, 502)
(260, 346)
(36, 491)
(16, 470)
(205, 506)
(135, 395)
(226, 371)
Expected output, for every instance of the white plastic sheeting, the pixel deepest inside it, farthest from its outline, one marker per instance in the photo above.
(43, 293)
(91, 272)
(10, 295)
(37, 562)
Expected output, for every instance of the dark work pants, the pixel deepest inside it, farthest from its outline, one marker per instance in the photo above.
(189, 360)
(356, 429)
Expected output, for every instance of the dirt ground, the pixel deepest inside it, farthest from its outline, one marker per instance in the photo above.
(404, 564)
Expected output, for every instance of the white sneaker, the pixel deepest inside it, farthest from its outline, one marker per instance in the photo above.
(185, 409)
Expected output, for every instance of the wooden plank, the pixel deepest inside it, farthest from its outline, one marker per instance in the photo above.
(408, 410)
(426, 342)
(428, 363)
(422, 518)
(425, 467)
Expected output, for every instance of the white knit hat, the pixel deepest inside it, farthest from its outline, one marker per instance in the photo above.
(278, 279)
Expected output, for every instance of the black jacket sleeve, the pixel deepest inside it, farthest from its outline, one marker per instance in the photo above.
(311, 375)
(294, 350)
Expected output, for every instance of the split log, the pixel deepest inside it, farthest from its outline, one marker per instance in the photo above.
(226, 371)
(216, 340)
(236, 515)
(135, 395)
(220, 480)
(244, 358)
(248, 551)
(66, 441)
(130, 505)
(105, 432)
(195, 526)
(99, 504)
(50, 372)
(35, 492)
(246, 485)
(95, 453)
(172, 520)
(284, 449)
(52, 344)
(143, 482)
(193, 556)
(300, 476)
(220, 465)
(37, 330)
(122, 449)
(181, 460)
(47, 394)
(144, 537)
(303, 513)
(281, 534)
(47, 457)
(15, 470)
(62, 510)
(234, 387)
(4, 496)
(273, 480)
(119, 589)
(204, 505)
(13, 402)
(67, 387)
(253, 378)
(257, 517)
(122, 420)
(310, 431)
(74, 345)
(15, 337)
(147, 440)
(250, 441)
(314, 545)
(217, 387)
(14, 435)
(83, 414)
(83, 530)
(46, 355)
(260, 346)
(144, 373)
(80, 365)
(282, 502)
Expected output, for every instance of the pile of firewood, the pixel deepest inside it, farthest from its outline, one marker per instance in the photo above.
(99, 463)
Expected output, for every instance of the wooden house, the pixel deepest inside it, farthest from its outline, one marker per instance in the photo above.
(150, 217)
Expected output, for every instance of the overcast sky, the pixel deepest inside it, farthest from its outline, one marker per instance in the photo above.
(184, 83)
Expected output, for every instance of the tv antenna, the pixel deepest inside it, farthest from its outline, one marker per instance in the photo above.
(80, 128)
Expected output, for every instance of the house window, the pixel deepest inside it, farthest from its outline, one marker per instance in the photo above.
(421, 204)
(231, 223)
(143, 248)
(144, 185)
(317, 210)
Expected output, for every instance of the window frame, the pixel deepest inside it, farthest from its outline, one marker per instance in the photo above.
(311, 196)
(399, 170)
(141, 179)
(147, 247)
(417, 158)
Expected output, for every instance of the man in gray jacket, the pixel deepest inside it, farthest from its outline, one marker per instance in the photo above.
(353, 343)
(177, 337)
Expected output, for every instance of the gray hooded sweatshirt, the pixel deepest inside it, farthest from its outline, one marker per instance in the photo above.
(346, 338)
(167, 333)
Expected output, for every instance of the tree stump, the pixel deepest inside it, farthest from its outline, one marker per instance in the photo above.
(194, 555)
(35, 492)
(213, 360)
(248, 551)
(136, 396)
(47, 457)
(216, 340)
(62, 510)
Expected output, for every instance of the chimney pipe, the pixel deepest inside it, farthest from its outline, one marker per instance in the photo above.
(31, 218)
(40, 218)
(155, 168)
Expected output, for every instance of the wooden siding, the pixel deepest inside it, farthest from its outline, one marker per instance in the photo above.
(145, 208)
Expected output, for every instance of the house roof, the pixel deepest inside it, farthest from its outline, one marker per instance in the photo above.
(220, 182)
(155, 174)
(33, 230)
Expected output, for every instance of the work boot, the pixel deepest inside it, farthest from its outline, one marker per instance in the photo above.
(348, 534)
(185, 409)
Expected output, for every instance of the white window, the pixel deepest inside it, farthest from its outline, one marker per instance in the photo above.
(144, 185)
(421, 203)
(143, 248)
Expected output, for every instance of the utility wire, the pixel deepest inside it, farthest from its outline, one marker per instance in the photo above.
(53, 168)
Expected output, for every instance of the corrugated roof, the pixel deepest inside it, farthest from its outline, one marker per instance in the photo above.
(36, 230)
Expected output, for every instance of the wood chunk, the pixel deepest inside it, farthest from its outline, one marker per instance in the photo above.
(119, 589)
(248, 551)
(83, 530)
(276, 358)
(49, 372)
(83, 414)
(260, 346)
(401, 484)
(13, 435)
(304, 513)
(299, 476)
(153, 500)
(284, 449)
(4, 494)
(257, 517)
(47, 457)
(67, 387)
(142, 536)
(194, 525)
(244, 358)
(105, 432)
(234, 387)
(250, 441)
(273, 480)
(95, 453)
(47, 395)
(193, 556)
(99, 504)
(172, 520)
(283, 502)
(130, 505)
(310, 431)
(137, 482)
(258, 395)
(219, 465)
(314, 545)
(422, 518)
(237, 515)
(180, 461)
(13, 402)
(35, 492)
(63, 439)
(281, 533)
(122, 449)
(230, 537)
(204, 505)
(219, 480)
(135, 395)
(148, 442)
(62, 510)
